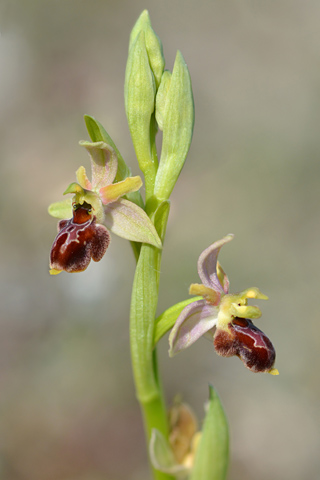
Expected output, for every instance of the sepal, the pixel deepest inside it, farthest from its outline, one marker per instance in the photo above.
(98, 134)
(168, 318)
(195, 320)
(129, 221)
(61, 209)
(104, 163)
(207, 265)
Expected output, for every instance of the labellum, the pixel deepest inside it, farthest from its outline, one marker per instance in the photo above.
(79, 239)
(245, 340)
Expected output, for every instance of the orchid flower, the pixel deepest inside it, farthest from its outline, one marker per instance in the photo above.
(223, 317)
(96, 209)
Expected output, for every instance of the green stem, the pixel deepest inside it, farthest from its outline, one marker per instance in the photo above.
(142, 321)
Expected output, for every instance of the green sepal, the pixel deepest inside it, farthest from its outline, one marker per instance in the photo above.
(168, 318)
(127, 220)
(161, 98)
(61, 209)
(178, 120)
(212, 455)
(139, 96)
(98, 134)
(153, 44)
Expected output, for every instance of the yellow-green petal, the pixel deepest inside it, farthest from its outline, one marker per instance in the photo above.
(208, 293)
(245, 311)
(253, 292)
(83, 179)
(111, 193)
(74, 188)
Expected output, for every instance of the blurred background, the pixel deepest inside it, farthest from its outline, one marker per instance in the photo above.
(67, 404)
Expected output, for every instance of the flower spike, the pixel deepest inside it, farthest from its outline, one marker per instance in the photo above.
(229, 314)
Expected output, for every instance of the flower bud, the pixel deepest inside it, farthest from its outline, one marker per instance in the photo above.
(176, 116)
(161, 98)
(140, 91)
(153, 44)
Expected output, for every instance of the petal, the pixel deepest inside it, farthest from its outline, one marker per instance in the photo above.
(61, 209)
(193, 322)
(223, 278)
(253, 292)
(129, 221)
(162, 457)
(211, 296)
(113, 192)
(74, 188)
(83, 179)
(104, 163)
(207, 264)
(245, 311)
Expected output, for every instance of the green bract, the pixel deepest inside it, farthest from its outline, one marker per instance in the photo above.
(212, 455)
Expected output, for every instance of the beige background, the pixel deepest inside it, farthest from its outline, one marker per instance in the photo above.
(67, 404)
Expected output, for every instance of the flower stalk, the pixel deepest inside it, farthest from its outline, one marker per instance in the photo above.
(144, 74)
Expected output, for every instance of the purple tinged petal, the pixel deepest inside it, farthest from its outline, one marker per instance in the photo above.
(194, 321)
(129, 221)
(104, 163)
(207, 264)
